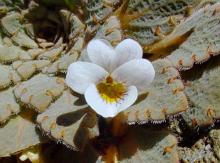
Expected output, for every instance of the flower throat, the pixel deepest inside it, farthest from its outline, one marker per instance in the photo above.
(110, 90)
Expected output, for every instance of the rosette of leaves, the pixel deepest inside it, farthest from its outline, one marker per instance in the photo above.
(34, 63)
(201, 80)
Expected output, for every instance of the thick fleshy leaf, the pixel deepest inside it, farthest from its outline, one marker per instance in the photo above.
(76, 26)
(137, 72)
(105, 109)
(110, 31)
(203, 42)
(163, 98)
(62, 64)
(18, 134)
(70, 121)
(203, 91)
(29, 68)
(144, 145)
(101, 54)
(23, 40)
(51, 54)
(204, 150)
(11, 23)
(81, 74)
(13, 53)
(149, 22)
(39, 92)
(214, 135)
(8, 105)
(8, 76)
(97, 11)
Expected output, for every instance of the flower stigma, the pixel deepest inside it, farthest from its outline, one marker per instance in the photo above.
(111, 91)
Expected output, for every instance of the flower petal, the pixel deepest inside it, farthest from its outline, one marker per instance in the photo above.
(104, 109)
(137, 72)
(101, 53)
(128, 50)
(128, 99)
(81, 74)
(95, 101)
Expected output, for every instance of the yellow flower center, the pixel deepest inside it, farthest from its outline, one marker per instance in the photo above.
(110, 90)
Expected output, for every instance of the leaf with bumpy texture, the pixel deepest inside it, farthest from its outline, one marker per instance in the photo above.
(12, 53)
(29, 68)
(11, 23)
(23, 40)
(70, 121)
(163, 98)
(144, 145)
(12, 26)
(201, 151)
(51, 54)
(204, 40)
(97, 11)
(76, 26)
(214, 135)
(61, 65)
(18, 134)
(203, 91)
(8, 105)
(39, 92)
(8, 77)
(110, 31)
(150, 21)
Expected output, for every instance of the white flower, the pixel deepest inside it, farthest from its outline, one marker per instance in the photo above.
(114, 78)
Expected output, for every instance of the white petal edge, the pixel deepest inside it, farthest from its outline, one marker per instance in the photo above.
(81, 74)
(99, 52)
(137, 72)
(127, 50)
(106, 110)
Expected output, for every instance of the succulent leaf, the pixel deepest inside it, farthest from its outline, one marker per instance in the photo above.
(142, 145)
(61, 65)
(202, 42)
(18, 134)
(8, 105)
(12, 53)
(26, 69)
(149, 22)
(97, 11)
(110, 31)
(203, 92)
(8, 77)
(70, 121)
(39, 92)
(204, 150)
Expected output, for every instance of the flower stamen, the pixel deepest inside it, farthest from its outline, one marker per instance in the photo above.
(110, 90)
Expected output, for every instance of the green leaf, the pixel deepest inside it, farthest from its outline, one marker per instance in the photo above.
(201, 151)
(203, 91)
(97, 11)
(39, 92)
(70, 121)
(18, 134)
(145, 145)
(8, 105)
(8, 77)
(110, 31)
(203, 42)
(150, 21)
